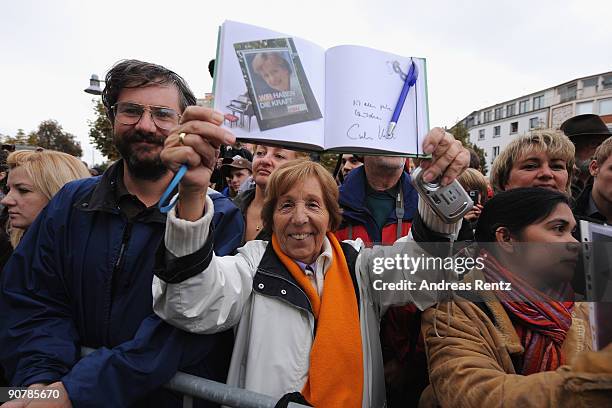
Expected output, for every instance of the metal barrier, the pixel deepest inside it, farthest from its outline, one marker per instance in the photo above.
(192, 387)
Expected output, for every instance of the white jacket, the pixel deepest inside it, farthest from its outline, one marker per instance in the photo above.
(274, 331)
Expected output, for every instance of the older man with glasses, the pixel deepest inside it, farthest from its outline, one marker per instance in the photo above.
(82, 274)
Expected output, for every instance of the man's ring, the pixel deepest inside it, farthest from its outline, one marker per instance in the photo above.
(182, 138)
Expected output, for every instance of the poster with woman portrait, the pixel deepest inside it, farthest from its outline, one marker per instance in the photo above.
(276, 83)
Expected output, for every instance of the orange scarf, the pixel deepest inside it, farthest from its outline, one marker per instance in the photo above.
(335, 378)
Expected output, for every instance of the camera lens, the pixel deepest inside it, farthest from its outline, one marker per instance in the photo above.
(434, 184)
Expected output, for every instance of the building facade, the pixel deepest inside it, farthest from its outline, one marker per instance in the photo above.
(494, 127)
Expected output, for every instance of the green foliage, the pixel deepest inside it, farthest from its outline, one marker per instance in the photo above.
(461, 133)
(50, 135)
(19, 139)
(101, 132)
(481, 155)
(104, 165)
(329, 160)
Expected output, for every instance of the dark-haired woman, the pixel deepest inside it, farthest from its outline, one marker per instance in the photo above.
(520, 347)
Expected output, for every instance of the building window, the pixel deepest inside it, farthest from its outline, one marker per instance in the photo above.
(534, 123)
(487, 116)
(568, 92)
(584, 107)
(496, 131)
(514, 127)
(524, 106)
(607, 82)
(589, 82)
(605, 107)
(481, 134)
(537, 102)
(498, 113)
(495, 152)
(510, 110)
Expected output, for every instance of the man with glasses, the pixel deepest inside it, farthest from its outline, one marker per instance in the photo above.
(82, 274)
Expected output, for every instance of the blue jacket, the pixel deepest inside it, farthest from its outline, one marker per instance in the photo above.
(82, 276)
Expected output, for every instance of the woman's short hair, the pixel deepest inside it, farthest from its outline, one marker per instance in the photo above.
(262, 57)
(49, 170)
(298, 154)
(551, 141)
(516, 209)
(603, 151)
(293, 173)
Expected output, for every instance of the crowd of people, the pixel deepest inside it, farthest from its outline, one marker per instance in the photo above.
(260, 276)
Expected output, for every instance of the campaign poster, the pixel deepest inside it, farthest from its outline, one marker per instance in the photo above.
(276, 83)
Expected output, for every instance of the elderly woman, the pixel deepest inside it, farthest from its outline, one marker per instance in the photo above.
(520, 347)
(305, 311)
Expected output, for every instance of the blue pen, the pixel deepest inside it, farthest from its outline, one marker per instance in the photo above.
(411, 79)
(163, 207)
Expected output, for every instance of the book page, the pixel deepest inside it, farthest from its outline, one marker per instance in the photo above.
(363, 86)
(270, 87)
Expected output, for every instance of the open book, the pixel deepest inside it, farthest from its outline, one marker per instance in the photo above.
(280, 90)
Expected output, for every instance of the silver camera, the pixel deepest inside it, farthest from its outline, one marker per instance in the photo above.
(450, 202)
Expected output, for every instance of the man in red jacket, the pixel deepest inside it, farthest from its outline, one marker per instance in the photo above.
(379, 204)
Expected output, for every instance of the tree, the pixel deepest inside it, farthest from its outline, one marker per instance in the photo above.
(19, 139)
(329, 161)
(50, 135)
(101, 132)
(461, 133)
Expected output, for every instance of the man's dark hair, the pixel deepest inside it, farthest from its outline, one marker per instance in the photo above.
(211, 68)
(137, 74)
(516, 209)
(474, 159)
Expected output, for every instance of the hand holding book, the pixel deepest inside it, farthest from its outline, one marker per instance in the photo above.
(304, 97)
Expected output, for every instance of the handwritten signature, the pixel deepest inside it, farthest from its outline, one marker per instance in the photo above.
(354, 133)
(367, 115)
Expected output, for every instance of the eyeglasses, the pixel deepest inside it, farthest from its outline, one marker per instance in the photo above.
(128, 113)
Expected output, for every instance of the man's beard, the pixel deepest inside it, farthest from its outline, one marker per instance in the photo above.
(147, 169)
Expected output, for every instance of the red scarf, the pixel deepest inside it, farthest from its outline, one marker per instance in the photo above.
(541, 325)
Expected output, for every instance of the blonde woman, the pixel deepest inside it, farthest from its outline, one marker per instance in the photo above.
(542, 158)
(34, 178)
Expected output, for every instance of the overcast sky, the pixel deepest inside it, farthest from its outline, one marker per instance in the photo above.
(478, 52)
